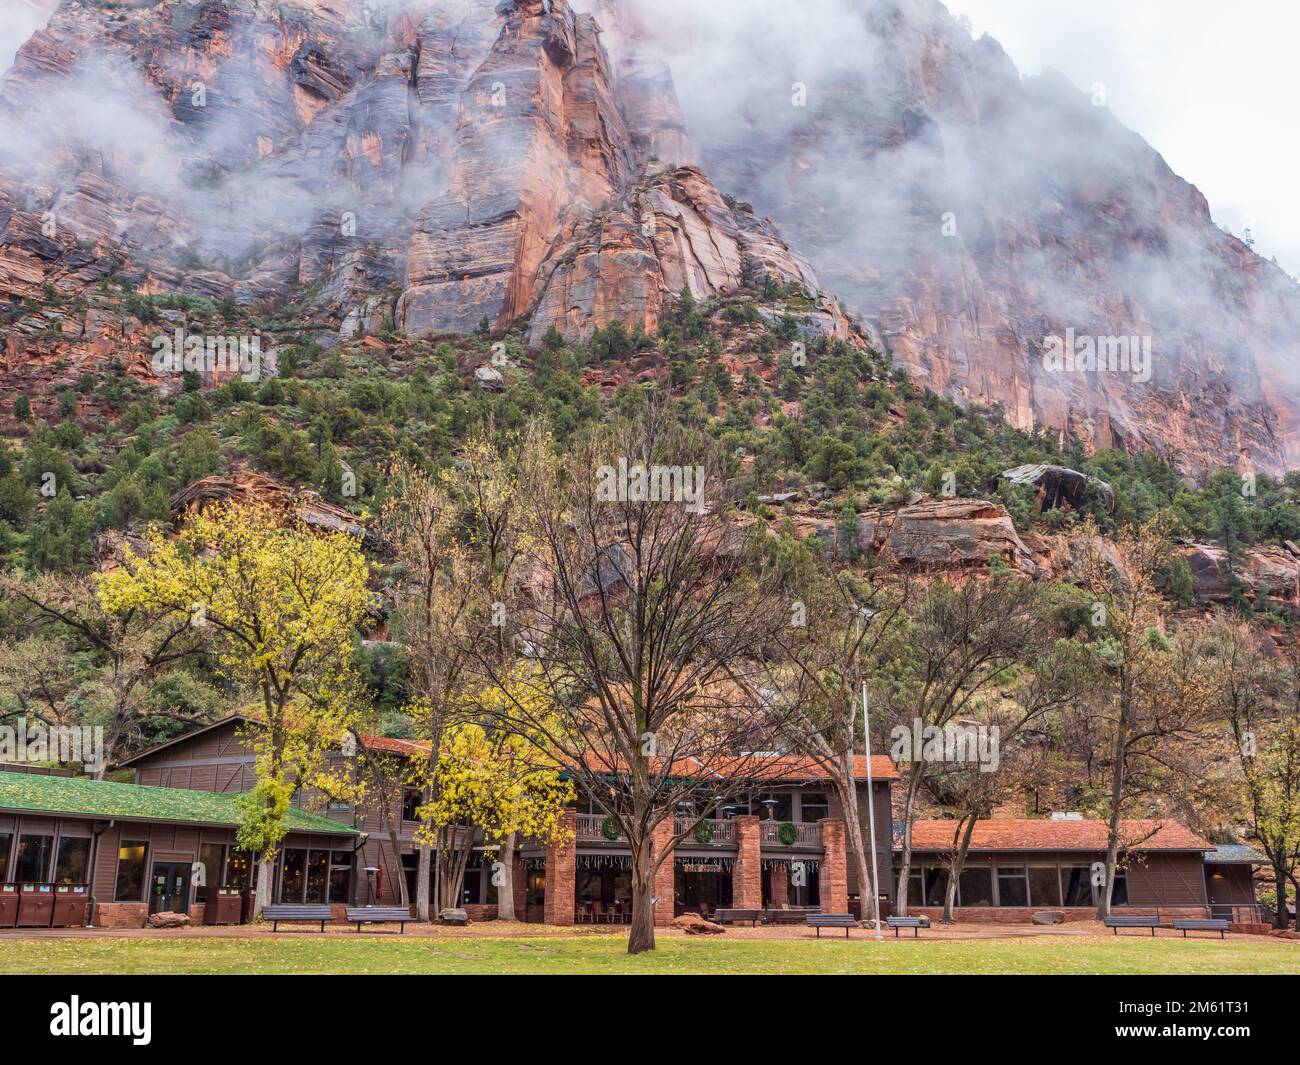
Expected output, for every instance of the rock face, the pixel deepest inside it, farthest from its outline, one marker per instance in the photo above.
(442, 163)
(1268, 576)
(970, 215)
(956, 532)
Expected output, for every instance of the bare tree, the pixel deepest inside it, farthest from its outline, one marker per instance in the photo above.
(643, 619)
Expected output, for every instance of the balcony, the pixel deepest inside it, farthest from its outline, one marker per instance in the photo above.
(590, 828)
(805, 836)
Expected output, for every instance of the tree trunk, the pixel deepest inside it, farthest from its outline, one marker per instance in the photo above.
(859, 846)
(642, 937)
(506, 881)
(262, 891)
(1116, 800)
(422, 878)
(403, 895)
(909, 814)
(956, 866)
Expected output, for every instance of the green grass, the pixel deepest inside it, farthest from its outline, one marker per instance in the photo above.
(300, 953)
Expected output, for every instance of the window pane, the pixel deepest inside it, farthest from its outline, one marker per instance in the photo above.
(975, 888)
(813, 807)
(292, 880)
(211, 855)
(32, 862)
(1076, 885)
(6, 839)
(1044, 888)
(936, 885)
(130, 871)
(340, 883)
(1119, 897)
(238, 867)
(318, 866)
(410, 803)
(1012, 890)
(73, 865)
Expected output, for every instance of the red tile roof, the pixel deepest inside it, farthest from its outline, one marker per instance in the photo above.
(773, 767)
(1047, 835)
(411, 748)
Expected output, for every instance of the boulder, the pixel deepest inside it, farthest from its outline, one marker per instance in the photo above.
(169, 920)
(957, 532)
(695, 925)
(1049, 917)
(454, 917)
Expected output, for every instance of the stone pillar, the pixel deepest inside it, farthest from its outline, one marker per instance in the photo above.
(779, 875)
(747, 878)
(833, 875)
(665, 875)
(562, 874)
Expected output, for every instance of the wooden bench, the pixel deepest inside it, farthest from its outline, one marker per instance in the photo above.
(831, 920)
(792, 916)
(1132, 922)
(292, 912)
(359, 915)
(914, 923)
(1192, 925)
(733, 916)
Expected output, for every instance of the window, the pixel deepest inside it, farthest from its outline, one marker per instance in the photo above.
(73, 866)
(975, 887)
(1013, 886)
(535, 893)
(1119, 897)
(292, 879)
(410, 804)
(32, 862)
(6, 839)
(130, 871)
(1044, 886)
(212, 857)
(936, 884)
(1076, 885)
(775, 807)
(318, 875)
(239, 866)
(813, 807)
(340, 876)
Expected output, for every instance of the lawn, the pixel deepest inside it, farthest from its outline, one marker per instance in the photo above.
(301, 953)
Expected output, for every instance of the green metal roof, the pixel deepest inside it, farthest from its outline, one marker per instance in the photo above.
(102, 799)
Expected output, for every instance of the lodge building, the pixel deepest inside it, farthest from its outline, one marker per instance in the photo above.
(113, 853)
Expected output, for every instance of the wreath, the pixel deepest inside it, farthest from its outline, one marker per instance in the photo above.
(704, 832)
(787, 833)
(609, 829)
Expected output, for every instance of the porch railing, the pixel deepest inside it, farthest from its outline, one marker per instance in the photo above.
(592, 827)
(806, 835)
(720, 832)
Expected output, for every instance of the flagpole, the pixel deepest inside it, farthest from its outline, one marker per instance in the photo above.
(871, 810)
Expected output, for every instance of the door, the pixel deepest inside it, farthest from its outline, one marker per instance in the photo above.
(171, 888)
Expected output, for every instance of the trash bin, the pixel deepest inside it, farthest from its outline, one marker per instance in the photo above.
(35, 905)
(8, 905)
(224, 906)
(70, 906)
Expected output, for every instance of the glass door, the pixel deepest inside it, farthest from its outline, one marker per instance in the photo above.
(171, 888)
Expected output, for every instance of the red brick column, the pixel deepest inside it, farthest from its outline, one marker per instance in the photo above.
(834, 873)
(747, 878)
(562, 874)
(779, 875)
(665, 875)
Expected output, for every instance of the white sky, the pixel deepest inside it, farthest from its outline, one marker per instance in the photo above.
(1214, 86)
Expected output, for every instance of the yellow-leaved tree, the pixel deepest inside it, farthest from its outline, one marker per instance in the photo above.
(505, 785)
(280, 604)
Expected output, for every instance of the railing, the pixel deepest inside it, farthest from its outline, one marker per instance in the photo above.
(806, 835)
(592, 827)
(719, 832)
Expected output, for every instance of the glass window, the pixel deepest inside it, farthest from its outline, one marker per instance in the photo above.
(1119, 897)
(130, 871)
(239, 867)
(32, 862)
(318, 873)
(410, 804)
(340, 876)
(975, 887)
(472, 888)
(535, 895)
(774, 807)
(1013, 886)
(1044, 887)
(936, 884)
(6, 838)
(73, 866)
(813, 807)
(1076, 885)
(915, 886)
(212, 856)
(292, 876)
